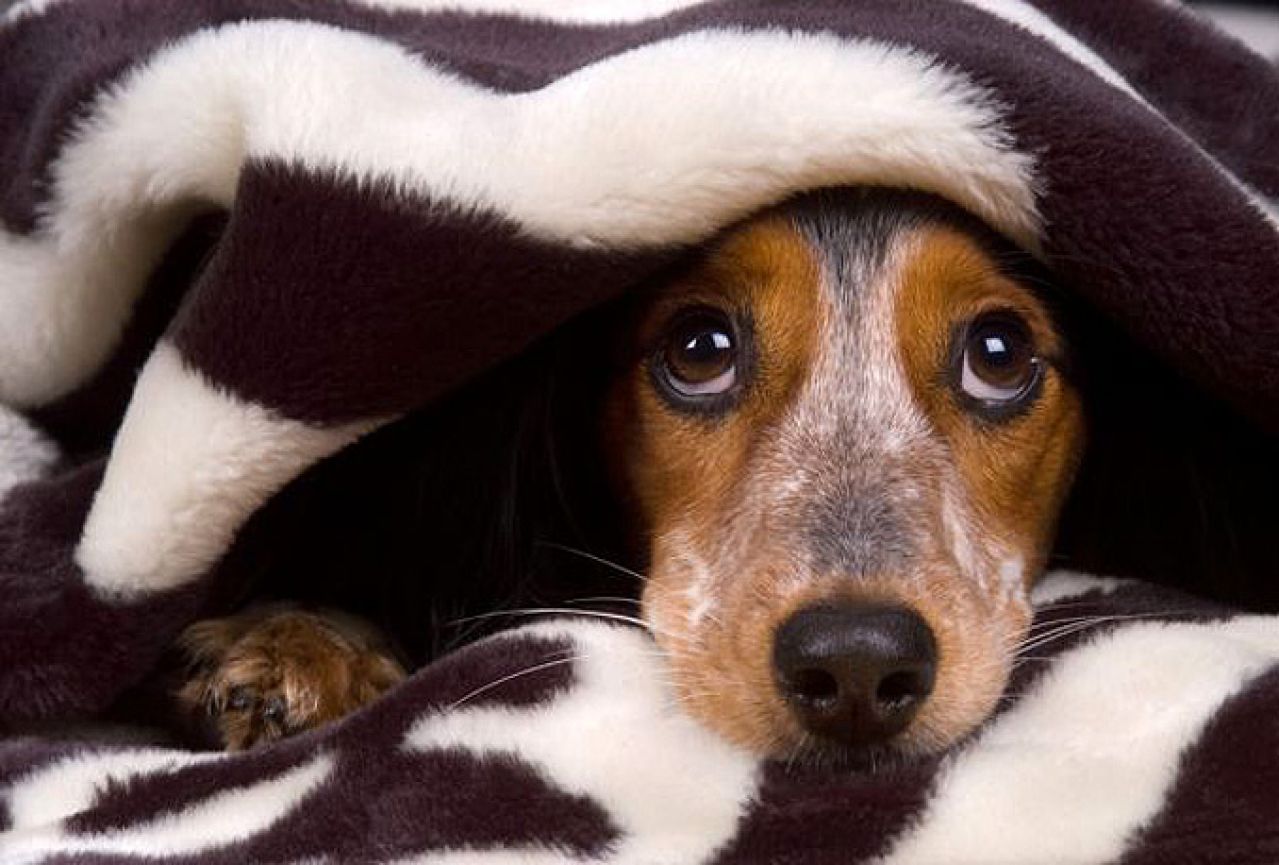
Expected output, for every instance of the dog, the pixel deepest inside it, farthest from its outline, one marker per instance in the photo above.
(836, 440)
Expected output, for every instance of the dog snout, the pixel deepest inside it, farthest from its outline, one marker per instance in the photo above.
(855, 673)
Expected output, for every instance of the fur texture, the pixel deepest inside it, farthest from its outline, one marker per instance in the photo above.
(565, 731)
(309, 220)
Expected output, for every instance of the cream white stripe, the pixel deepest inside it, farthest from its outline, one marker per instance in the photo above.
(25, 9)
(189, 465)
(1088, 756)
(1061, 585)
(73, 784)
(509, 856)
(1033, 20)
(605, 156)
(26, 454)
(1256, 28)
(568, 11)
(674, 790)
(233, 814)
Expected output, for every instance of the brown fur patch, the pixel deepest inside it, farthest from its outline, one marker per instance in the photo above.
(684, 472)
(1016, 473)
(721, 499)
(673, 463)
(268, 673)
(1012, 474)
(730, 556)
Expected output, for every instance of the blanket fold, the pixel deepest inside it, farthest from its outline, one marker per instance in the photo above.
(237, 237)
(558, 742)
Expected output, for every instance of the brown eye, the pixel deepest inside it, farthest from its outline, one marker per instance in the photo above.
(699, 355)
(999, 364)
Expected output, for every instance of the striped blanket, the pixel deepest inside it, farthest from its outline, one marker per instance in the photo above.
(1144, 732)
(405, 193)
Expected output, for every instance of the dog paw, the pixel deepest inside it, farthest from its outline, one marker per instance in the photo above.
(266, 674)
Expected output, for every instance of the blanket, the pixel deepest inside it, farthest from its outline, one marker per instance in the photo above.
(1254, 23)
(404, 193)
(1143, 731)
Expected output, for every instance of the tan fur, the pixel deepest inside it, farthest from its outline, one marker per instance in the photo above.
(672, 465)
(1018, 473)
(1014, 475)
(716, 500)
(314, 667)
(684, 473)
(708, 493)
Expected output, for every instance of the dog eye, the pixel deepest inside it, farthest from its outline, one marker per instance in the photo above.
(699, 355)
(999, 364)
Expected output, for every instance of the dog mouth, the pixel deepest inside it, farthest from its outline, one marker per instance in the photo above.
(845, 681)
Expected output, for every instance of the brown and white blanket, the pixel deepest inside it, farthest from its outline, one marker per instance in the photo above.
(1146, 737)
(409, 191)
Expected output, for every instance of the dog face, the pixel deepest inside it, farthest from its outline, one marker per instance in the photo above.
(846, 435)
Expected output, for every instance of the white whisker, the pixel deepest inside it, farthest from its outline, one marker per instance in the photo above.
(598, 559)
(573, 658)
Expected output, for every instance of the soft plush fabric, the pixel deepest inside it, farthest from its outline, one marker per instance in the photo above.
(405, 193)
(1146, 734)
(1254, 22)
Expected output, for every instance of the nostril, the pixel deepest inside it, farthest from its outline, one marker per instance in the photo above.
(855, 673)
(813, 686)
(900, 691)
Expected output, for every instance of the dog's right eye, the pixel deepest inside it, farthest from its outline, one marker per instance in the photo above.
(698, 357)
(999, 367)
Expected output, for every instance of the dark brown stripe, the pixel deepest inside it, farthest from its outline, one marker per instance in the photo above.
(816, 816)
(1224, 806)
(1225, 98)
(381, 797)
(66, 652)
(331, 303)
(1131, 204)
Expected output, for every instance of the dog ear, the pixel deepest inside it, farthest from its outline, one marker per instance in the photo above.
(1176, 487)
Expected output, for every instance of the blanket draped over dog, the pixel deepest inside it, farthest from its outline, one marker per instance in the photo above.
(415, 190)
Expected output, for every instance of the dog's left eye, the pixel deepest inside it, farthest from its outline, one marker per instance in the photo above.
(699, 355)
(999, 366)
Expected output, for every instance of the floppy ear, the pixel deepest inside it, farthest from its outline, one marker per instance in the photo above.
(1176, 487)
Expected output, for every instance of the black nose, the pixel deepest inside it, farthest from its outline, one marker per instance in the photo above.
(855, 673)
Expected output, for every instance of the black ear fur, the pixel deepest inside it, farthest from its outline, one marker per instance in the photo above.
(1175, 488)
(457, 511)
(462, 508)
